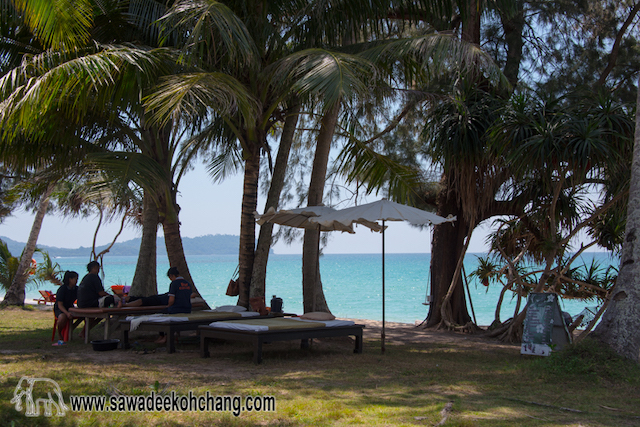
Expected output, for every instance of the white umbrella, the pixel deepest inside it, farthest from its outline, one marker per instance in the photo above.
(383, 210)
(299, 218)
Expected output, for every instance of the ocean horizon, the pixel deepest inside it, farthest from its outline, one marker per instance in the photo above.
(352, 283)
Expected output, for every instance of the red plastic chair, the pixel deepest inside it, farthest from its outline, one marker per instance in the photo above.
(65, 331)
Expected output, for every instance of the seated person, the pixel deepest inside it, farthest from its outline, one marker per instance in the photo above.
(65, 297)
(91, 293)
(178, 299)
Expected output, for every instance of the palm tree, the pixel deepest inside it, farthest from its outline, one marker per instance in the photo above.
(619, 328)
(100, 80)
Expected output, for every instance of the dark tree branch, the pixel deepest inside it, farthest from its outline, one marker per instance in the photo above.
(613, 57)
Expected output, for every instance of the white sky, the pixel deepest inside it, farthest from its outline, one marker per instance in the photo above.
(209, 208)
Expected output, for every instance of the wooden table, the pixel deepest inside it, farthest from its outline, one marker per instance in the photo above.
(108, 314)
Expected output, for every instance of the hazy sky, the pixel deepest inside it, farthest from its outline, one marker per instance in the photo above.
(209, 208)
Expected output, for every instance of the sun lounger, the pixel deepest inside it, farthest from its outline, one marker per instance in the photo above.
(259, 331)
(172, 323)
(47, 296)
(110, 314)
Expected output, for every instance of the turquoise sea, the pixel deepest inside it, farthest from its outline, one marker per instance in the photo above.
(352, 283)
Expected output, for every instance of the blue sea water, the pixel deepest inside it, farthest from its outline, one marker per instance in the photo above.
(352, 283)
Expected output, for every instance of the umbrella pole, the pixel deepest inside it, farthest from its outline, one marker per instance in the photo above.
(315, 287)
(383, 296)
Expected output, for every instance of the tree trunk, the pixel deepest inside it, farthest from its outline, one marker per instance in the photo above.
(620, 324)
(446, 247)
(16, 292)
(248, 223)
(259, 274)
(513, 25)
(145, 278)
(471, 26)
(175, 250)
(312, 293)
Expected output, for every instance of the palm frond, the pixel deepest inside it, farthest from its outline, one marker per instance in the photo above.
(210, 33)
(359, 162)
(327, 74)
(186, 98)
(58, 23)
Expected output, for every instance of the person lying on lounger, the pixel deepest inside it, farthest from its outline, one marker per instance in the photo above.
(178, 299)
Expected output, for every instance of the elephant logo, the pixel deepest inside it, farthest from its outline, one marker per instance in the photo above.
(36, 392)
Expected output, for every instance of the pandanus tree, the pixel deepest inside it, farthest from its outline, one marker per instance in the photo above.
(559, 152)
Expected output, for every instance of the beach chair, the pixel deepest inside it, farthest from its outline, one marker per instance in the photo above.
(65, 331)
(47, 296)
(260, 331)
(172, 324)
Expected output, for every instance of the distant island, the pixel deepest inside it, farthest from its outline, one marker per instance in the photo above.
(220, 244)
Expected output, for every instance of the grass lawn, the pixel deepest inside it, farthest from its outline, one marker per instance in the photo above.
(480, 382)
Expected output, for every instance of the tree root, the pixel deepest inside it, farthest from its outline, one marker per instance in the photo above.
(446, 411)
(469, 328)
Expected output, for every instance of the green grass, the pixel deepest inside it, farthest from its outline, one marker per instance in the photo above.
(329, 385)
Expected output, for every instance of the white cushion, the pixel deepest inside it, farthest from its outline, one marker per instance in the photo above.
(230, 308)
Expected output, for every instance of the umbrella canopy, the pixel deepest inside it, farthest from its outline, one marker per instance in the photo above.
(383, 210)
(300, 218)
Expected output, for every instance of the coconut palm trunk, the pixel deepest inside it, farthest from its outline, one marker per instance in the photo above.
(259, 275)
(312, 293)
(248, 223)
(16, 293)
(175, 249)
(145, 278)
(620, 324)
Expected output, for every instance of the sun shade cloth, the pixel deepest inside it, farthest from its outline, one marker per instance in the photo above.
(382, 210)
(299, 218)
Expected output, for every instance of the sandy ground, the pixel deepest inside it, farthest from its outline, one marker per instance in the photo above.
(226, 365)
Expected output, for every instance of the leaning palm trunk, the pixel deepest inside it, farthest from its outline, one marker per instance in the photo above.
(16, 293)
(173, 244)
(312, 293)
(145, 278)
(259, 275)
(248, 223)
(620, 325)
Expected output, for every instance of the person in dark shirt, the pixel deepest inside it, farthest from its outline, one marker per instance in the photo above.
(178, 299)
(90, 291)
(65, 297)
(180, 292)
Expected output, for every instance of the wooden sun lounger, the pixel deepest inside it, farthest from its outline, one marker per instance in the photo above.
(108, 314)
(170, 328)
(209, 333)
